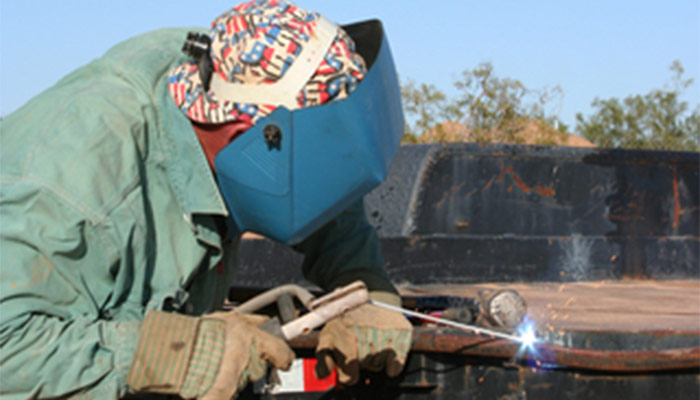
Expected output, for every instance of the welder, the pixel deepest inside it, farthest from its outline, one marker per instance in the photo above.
(125, 188)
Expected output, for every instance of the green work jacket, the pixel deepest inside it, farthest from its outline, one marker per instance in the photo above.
(108, 208)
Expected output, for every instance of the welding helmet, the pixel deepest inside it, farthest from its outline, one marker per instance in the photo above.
(299, 166)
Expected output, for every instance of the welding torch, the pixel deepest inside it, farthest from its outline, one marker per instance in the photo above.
(336, 303)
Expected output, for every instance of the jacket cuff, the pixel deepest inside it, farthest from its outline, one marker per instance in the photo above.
(373, 281)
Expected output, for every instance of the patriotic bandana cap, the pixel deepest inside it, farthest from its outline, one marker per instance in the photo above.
(264, 54)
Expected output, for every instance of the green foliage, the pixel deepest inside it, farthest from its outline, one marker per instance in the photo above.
(658, 120)
(426, 102)
(486, 109)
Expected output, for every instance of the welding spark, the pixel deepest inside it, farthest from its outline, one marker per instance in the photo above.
(527, 338)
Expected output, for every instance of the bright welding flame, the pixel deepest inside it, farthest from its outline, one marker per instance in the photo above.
(528, 338)
(527, 335)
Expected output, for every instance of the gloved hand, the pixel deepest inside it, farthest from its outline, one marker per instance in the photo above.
(210, 357)
(367, 337)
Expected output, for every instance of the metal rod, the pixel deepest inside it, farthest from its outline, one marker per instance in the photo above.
(465, 327)
(270, 296)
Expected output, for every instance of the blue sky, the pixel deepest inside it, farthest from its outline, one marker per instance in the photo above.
(589, 48)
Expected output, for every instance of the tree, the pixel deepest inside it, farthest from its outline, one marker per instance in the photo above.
(486, 109)
(427, 103)
(658, 120)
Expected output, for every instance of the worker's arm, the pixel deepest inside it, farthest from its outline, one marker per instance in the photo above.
(55, 273)
(344, 250)
(368, 337)
(57, 339)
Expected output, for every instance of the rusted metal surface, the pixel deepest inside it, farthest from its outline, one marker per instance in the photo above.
(542, 355)
(609, 306)
(630, 326)
(447, 259)
(439, 188)
(512, 213)
(467, 213)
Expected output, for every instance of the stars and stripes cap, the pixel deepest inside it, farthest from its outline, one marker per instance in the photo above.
(264, 54)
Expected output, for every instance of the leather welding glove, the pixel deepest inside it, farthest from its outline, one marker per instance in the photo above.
(210, 357)
(367, 337)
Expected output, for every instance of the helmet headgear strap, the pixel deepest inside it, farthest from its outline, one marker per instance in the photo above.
(197, 46)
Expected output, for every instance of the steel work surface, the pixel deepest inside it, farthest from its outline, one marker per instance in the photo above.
(602, 340)
(622, 306)
(603, 326)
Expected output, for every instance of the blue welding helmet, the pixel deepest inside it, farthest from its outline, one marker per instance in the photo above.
(294, 171)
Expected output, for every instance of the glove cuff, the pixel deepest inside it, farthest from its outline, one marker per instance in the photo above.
(165, 346)
(177, 354)
(206, 358)
(373, 281)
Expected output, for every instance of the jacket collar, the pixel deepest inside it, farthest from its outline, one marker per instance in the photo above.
(186, 165)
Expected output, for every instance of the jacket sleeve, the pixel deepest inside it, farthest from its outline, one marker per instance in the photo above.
(53, 339)
(344, 250)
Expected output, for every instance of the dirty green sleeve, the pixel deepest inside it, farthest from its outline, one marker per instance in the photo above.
(99, 176)
(344, 250)
(52, 345)
(52, 341)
